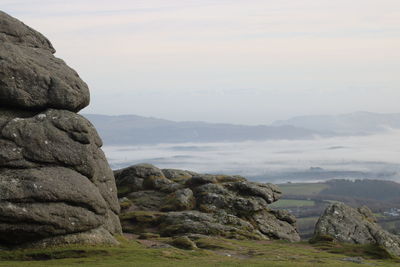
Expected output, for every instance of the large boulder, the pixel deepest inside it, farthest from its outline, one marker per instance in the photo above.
(176, 203)
(357, 226)
(31, 77)
(56, 186)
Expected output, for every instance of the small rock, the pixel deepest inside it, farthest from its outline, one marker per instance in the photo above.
(184, 242)
(354, 259)
(148, 235)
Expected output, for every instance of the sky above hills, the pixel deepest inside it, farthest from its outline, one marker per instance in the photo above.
(236, 61)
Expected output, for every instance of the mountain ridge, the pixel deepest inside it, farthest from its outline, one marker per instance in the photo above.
(134, 129)
(361, 122)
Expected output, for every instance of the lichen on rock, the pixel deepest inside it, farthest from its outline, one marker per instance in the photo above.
(342, 223)
(31, 77)
(177, 203)
(56, 186)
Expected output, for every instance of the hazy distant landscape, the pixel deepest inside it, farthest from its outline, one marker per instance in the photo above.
(135, 130)
(256, 133)
(316, 160)
(354, 147)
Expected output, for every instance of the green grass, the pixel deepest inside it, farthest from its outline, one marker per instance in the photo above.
(214, 252)
(303, 189)
(286, 203)
(369, 251)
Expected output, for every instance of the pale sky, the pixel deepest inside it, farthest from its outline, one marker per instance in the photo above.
(237, 61)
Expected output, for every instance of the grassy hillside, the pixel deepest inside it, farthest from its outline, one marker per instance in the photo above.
(213, 252)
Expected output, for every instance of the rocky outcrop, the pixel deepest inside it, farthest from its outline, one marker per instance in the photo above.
(31, 78)
(177, 203)
(56, 186)
(357, 226)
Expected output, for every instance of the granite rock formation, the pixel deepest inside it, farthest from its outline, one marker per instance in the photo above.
(357, 226)
(181, 203)
(31, 77)
(56, 186)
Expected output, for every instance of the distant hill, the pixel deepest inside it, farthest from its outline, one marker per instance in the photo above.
(353, 123)
(132, 130)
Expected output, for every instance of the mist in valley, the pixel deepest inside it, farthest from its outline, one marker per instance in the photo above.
(278, 161)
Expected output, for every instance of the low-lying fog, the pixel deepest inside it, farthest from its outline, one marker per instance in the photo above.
(372, 157)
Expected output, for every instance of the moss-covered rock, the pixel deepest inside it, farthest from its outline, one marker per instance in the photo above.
(183, 242)
(138, 222)
(141, 216)
(178, 176)
(125, 203)
(182, 199)
(146, 200)
(148, 235)
(180, 203)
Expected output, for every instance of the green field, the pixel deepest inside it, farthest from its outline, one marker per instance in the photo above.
(214, 252)
(303, 189)
(287, 203)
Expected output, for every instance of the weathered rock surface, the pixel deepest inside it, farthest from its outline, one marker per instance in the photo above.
(178, 203)
(56, 186)
(31, 77)
(358, 226)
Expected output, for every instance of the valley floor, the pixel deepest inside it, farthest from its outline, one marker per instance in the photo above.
(211, 252)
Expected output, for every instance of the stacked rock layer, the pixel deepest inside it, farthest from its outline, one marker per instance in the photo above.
(56, 186)
(176, 203)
